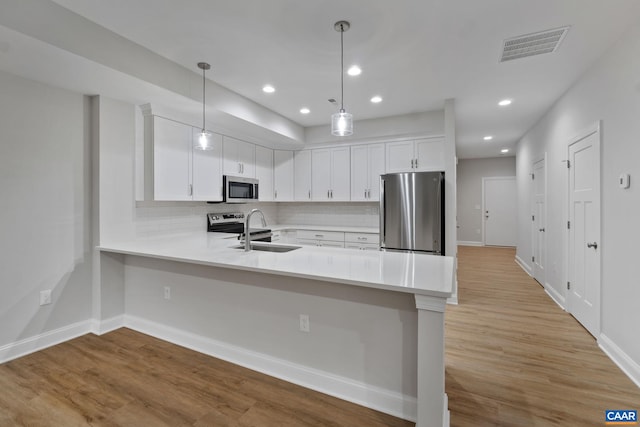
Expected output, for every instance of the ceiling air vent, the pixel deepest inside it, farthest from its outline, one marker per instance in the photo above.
(533, 44)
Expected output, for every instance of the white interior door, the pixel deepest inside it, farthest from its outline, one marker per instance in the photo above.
(583, 298)
(499, 211)
(539, 221)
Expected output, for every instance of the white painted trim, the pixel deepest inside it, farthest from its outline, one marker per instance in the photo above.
(377, 398)
(39, 342)
(555, 296)
(425, 302)
(446, 419)
(102, 327)
(469, 243)
(523, 265)
(620, 358)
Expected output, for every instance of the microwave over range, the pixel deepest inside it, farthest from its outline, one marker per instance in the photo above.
(238, 189)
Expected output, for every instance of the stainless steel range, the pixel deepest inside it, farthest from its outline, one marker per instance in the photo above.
(233, 222)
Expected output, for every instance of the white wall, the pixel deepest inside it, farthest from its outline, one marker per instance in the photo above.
(608, 92)
(45, 207)
(470, 174)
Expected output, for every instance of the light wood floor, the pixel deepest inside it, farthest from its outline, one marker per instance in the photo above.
(513, 359)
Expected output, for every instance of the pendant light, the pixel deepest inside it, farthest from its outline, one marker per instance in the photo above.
(341, 122)
(204, 139)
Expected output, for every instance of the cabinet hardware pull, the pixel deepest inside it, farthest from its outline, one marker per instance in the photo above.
(239, 168)
(309, 193)
(328, 194)
(332, 194)
(275, 196)
(416, 163)
(593, 245)
(191, 189)
(411, 163)
(365, 194)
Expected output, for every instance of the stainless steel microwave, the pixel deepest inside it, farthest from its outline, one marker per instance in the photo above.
(238, 189)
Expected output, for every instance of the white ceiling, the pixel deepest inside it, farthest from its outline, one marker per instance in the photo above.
(414, 53)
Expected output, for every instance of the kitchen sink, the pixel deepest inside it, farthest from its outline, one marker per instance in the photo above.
(269, 248)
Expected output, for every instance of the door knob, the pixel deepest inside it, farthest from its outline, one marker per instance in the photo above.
(593, 245)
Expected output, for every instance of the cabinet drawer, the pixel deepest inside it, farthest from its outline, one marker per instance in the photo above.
(362, 246)
(362, 238)
(320, 235)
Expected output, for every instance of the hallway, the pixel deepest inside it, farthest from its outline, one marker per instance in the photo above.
(514, 358)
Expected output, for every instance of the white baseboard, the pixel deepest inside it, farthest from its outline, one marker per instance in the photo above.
(100, 327)
(469, 243)
(47, 339)
(377, 398)
(555, 295)
(527, 269)
(630, 367)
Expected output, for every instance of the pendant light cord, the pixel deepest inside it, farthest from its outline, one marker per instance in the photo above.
(203, 100)
(342, 67)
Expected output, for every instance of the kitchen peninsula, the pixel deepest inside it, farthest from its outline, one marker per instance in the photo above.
(375, 330)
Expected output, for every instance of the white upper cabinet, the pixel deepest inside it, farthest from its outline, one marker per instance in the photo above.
(330, 174)
(239, 158)
(283, 175)
(367, 164)
(264, 173)
(412, 156)
(171, 160)
(206, 169)
(302, 175)
(430, 154)
(179, 171)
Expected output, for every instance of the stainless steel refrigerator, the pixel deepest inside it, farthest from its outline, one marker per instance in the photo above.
(412, 212)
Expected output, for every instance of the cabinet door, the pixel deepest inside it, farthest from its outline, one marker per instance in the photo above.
(246, 156)
(171, 160)
(283, 175)
(430, 154)
(399, 156)
(330, 244)
(359, 172)
(264, 173)
(376, 168)
(340, 175)
(239, 158)
(302, 175)
(321, 174)
(207, 169)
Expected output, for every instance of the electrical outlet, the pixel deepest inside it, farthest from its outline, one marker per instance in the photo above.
(167, 292)
(45, 297)
(304, 322)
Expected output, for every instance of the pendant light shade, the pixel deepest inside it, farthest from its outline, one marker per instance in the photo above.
(342, 122)
(204, 140)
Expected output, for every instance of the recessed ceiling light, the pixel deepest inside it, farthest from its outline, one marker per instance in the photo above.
(268, 89)
(504, 150)
(504, 102)
(354, 70)
(376, 99)
(488, 138)
(305, 110)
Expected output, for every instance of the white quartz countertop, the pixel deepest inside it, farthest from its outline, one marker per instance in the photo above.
(396, 271)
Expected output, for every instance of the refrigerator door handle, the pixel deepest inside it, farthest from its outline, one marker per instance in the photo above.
(437, 244)
(382, 209)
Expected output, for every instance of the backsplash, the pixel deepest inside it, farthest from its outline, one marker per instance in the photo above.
(358, 214)
(161, 218)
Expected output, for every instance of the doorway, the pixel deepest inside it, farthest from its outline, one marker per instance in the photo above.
(538, 220)
(499, 200)
(584, 248)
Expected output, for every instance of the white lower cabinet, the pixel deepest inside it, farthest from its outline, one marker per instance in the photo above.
(362, 241)
(334, 239)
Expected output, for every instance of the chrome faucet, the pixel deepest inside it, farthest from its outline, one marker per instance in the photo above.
(247, 234)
